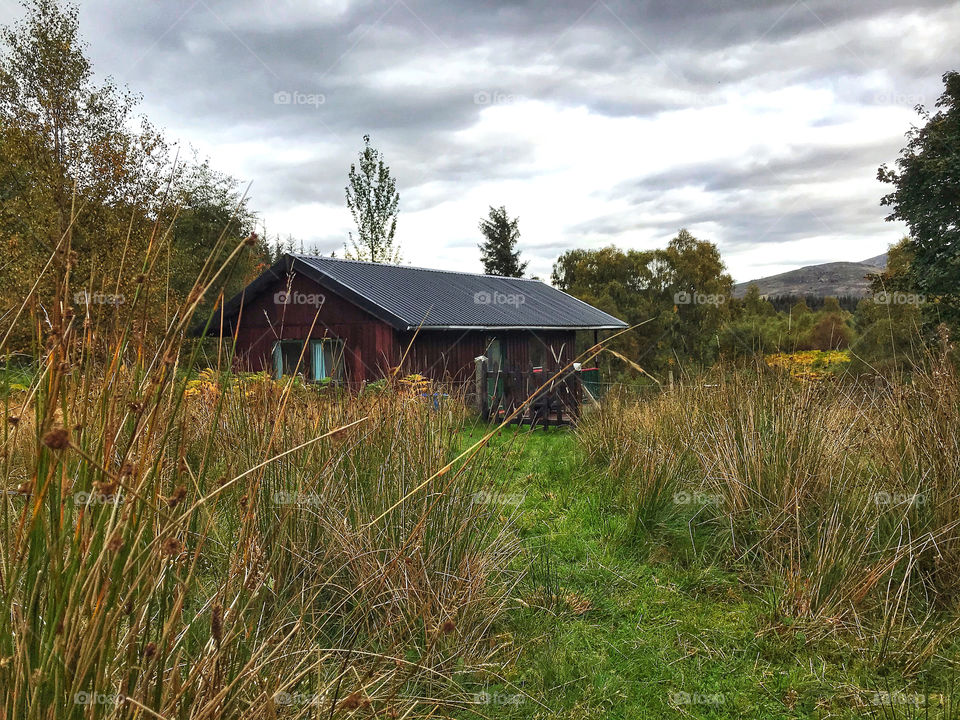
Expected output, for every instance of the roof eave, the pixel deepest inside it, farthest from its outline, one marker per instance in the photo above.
(288, 263)
(516, 327)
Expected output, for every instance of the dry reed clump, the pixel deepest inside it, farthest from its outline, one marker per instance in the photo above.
(644, 464)
(251, 549)
(844, 501)
(914, 447)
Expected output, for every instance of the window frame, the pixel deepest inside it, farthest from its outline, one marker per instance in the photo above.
(332, 350)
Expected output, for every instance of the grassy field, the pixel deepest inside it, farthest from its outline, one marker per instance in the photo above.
(186, 543)
(613, 621)
(396, 568)
(612, 631)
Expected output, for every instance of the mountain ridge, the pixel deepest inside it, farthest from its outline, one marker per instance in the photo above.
(823, 280)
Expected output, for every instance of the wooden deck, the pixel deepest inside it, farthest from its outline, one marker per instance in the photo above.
(547, 396)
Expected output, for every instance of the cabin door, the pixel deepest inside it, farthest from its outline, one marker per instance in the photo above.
(495, 365)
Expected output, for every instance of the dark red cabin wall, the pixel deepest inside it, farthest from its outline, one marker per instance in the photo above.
(449, 354)
(370, 346)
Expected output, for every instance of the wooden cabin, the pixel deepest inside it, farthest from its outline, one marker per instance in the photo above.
(354, 322)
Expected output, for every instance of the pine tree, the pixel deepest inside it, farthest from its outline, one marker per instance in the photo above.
(498, 251)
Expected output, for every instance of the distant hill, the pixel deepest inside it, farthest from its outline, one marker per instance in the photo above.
(879, 261)
(833, 279)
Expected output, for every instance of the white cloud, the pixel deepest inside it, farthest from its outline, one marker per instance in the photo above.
(757, 127)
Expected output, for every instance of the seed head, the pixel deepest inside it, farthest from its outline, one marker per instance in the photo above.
(178, 495)
(116, 542)
(149, 650)
(57, 439)
(171, 546)
(216, 622)
(351, 701)
(108, 488)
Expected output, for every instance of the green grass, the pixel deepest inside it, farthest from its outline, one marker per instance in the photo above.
(14, 378)
(666, 622)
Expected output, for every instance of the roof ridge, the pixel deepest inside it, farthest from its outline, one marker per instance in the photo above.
(304, 256)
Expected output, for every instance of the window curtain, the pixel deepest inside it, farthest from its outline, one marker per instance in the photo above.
(277, 361)
(318, 360)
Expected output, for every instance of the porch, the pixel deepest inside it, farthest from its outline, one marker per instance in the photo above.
(546, 395)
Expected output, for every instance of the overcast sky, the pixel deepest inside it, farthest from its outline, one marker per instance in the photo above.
(756, 125)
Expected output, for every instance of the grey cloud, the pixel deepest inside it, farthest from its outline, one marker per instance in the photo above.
(408, 72)
(809, 165)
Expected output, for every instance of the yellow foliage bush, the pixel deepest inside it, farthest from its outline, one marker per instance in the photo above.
(809, 365)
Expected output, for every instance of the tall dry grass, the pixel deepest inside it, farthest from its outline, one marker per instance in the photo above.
(842, 503)
(230, 546)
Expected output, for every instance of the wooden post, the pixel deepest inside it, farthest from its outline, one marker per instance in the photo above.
(481, 379)
(670, 379)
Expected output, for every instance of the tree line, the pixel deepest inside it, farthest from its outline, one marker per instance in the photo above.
(91, 186)
(78, 164)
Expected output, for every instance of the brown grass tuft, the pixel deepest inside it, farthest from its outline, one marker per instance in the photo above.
(57, 439)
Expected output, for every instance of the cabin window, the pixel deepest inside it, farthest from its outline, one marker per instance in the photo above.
(326, 360)
(323, 359)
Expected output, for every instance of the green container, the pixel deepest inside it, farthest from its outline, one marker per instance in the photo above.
(590, 377)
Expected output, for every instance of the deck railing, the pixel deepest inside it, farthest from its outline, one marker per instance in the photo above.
(545, 395)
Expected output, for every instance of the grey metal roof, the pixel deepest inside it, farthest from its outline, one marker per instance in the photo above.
(408, 297)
